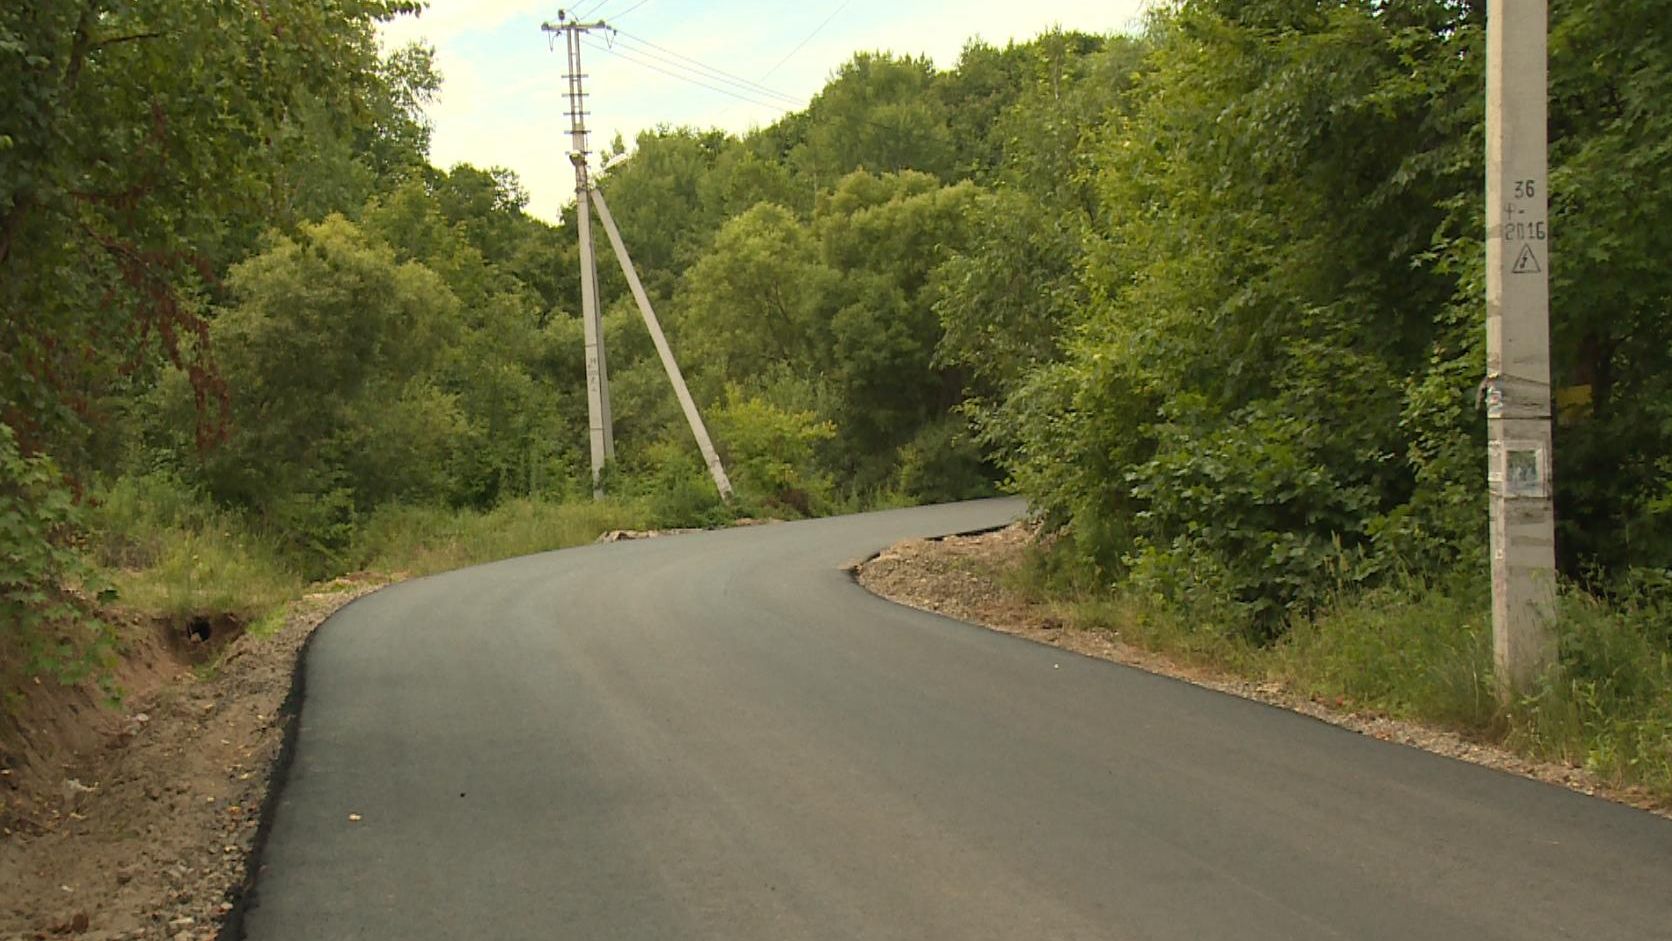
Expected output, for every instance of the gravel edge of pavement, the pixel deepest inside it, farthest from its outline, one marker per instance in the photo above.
(925, 574)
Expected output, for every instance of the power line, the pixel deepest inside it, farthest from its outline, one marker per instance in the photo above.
(599, 10)
(630, 9)
(809, 38)
(579, 15)
(686, 75)
(686, 78)
(599, 7)
(701, 67)
(626, 56)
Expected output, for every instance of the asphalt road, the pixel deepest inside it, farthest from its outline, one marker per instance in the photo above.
(721, 736)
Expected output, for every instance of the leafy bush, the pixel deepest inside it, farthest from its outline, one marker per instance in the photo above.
(673, 484)
(770, 454)
(944, 463)
(46, 589)
(1262, 500)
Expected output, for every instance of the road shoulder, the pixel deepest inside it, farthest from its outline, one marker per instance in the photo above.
(144, 823)
(968, 578)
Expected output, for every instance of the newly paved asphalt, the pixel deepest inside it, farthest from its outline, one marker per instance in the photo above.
(721, 736)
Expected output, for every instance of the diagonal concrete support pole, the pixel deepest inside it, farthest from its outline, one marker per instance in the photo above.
(669, 364)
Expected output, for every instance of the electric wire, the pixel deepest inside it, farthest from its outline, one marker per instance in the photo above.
(626, 56)
(601, 9)
(809, 38)
(686, 75)
(693, 65)
(629, 9)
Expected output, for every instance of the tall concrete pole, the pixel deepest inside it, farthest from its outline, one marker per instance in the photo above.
(669, 365)
(1518, 344)
(601, 424)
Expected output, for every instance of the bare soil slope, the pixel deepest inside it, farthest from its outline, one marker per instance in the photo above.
(138, 821)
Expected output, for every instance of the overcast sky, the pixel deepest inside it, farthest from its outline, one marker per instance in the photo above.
(502, 99)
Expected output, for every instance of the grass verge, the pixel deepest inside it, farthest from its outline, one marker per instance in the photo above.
(173, 555)
(423, 540)
(1423, 653)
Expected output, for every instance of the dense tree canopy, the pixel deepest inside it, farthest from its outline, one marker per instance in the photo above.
(146, 146)
(1210, 296)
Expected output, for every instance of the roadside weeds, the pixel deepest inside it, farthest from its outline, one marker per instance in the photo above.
(968, 578)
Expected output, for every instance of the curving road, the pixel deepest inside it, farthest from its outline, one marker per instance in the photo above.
(721, 736)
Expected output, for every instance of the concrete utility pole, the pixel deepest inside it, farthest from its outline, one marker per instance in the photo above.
(669, 364)
(602, 426)
(597, 375)
(1517, 384)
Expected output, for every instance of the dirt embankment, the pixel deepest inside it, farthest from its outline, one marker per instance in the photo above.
(964, 577)
(138, 821)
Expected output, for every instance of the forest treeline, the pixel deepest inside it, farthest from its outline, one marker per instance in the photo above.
(1209, 295)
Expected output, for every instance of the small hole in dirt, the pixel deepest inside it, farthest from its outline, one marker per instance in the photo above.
(200, 638)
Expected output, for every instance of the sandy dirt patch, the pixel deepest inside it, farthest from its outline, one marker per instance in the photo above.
(138, 821)
(965, 577)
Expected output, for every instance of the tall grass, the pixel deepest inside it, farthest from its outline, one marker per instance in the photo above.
(172, 554)
(1423, 652)
(1413, 652)
(422, 540)
(1609, 707)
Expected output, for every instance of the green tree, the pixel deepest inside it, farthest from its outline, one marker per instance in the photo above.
(1227, 412)
(758, 298)
(333, 352)
(1611, 167)
(145, 145)
(879, 113)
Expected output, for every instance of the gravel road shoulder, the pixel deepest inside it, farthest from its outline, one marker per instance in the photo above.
(965, 577)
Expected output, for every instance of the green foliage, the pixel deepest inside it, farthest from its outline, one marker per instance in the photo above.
(46, 589)
(943, 463)
(1609, 707)
(1611, 145)
(333, 352)
(879, 112)
(757, 298)
(770, 454)
(1413, 651)
(173, 553)
(675, 488)
(419, 540)
(1003, 303)
(146, 145)
(1211, 398)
